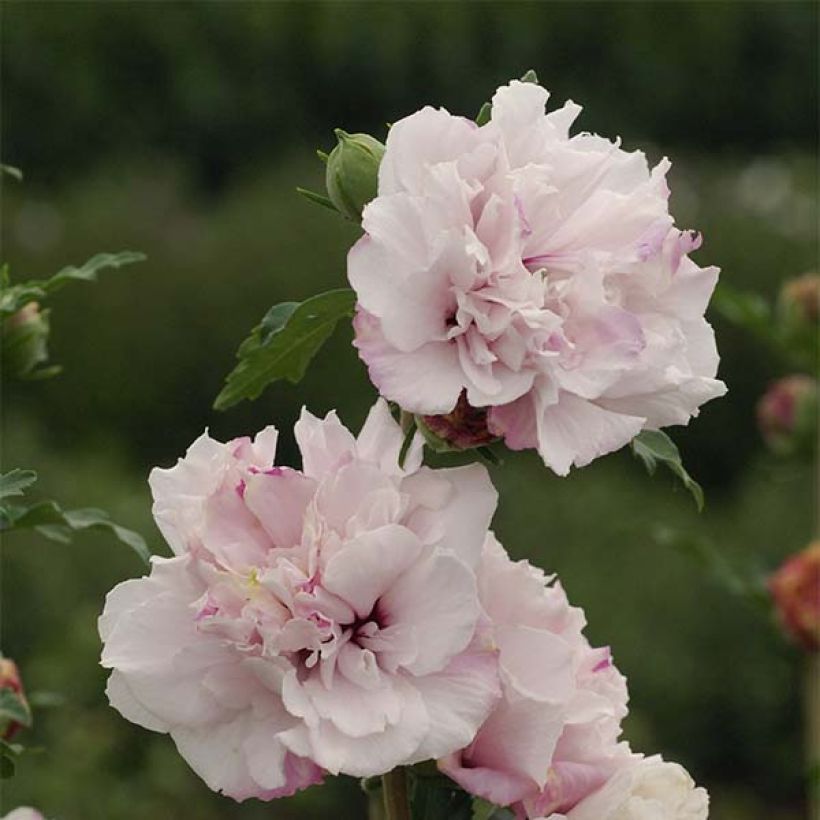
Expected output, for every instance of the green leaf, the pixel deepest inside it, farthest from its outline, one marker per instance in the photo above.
(282, 345)
(13, 297)
(530, 76)
(654, 447)
(88, 271)
(439, 798)
(13, 708)
(275, 319)
(15, 481)
(51, 521)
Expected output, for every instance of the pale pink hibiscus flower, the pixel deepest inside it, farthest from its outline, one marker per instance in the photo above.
(553, 737)
(535, 274)
(322, 619)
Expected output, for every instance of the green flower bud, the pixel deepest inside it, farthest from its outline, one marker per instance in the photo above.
(24, 341)
(352, 174)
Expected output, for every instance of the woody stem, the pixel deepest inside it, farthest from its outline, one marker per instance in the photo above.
(394, 788)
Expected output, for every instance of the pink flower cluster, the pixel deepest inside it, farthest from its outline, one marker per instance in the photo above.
(537, 274)
(354, 616)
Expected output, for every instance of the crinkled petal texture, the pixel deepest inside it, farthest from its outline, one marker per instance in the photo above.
(644, 789)
(553, 737)
(322, 619)
(535, 272)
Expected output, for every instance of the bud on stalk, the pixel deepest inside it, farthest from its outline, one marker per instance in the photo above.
(787, 413)
(464, 428)
(14, 708)
(795, 590)
(800, 299)
(352, 174)
(24, 341)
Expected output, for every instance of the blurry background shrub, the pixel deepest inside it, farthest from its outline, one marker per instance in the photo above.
(181, 130)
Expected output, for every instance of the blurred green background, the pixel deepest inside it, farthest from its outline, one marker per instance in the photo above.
(182, 129)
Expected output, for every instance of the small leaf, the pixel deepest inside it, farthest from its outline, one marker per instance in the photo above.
(283, 344)
(51, 521)
(14, 482)
(13, 708)
(530, 76)
(654, 447)
(89, 270)
(13, 297)
(318, 199)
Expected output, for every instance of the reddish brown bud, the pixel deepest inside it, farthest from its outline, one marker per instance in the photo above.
(800, 296)
(463, 428)
(786, 414)
(795, 589)
(14, 708)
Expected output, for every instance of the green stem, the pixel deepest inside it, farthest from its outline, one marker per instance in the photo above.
(812, 706)
(396, 798)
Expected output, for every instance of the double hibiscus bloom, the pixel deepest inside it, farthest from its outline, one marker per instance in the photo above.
(359, 614)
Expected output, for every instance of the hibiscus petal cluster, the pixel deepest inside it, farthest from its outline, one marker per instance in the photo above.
(534, 274)
(316, 620)
(357, 615)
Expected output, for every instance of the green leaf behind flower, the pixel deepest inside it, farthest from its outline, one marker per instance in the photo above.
(654, 447)
(283, 344)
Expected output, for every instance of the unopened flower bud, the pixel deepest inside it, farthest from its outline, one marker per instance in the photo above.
(800, 299)
(14, 708)
(352, 175)
(24, 341)
(786, 414)
(795, 589)
(464, 428)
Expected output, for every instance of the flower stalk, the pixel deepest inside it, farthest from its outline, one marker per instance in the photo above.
(396, 797)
